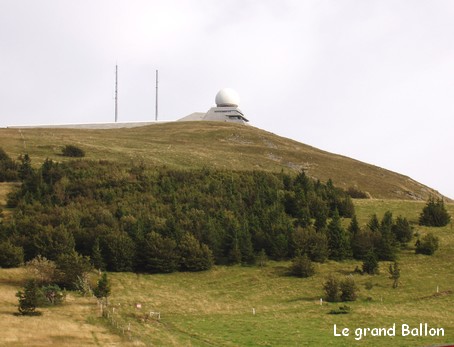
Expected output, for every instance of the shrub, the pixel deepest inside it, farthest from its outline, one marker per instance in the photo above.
(331, 288)
(70, 267)
(434, 214)
(29, 298)
(355, 193)
(73, 151)
(10, 255)
(42, 269)
(394, 271)
(312, 243)
(345, 290)
(370, 263)
(51, 295)
(348, 289)
(427, 245)
(302, 266)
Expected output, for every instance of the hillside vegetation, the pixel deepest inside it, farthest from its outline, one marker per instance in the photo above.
(215, 307)
(214, 145)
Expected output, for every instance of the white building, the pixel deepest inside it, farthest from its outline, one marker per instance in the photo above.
(226, 110)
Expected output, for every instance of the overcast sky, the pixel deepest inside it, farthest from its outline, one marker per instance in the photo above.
(372, 80)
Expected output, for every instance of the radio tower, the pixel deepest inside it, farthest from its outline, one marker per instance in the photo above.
(116, 93)
(156, 102)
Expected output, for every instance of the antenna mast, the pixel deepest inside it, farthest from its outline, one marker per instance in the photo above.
(156, 102)
(116, 93)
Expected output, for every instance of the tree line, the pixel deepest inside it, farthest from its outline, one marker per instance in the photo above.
(161, 219)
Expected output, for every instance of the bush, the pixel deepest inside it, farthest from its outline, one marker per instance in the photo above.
(370, 263)
(70, 267)
(348, 289)
(51, 295)
(434, 214)
(10, 255)
(29, 298)
(312, 243)
(302, 266)
(331, 288)
(355, 193)
(42, 270)
(335, 290)
(73, 151)
(427, 245)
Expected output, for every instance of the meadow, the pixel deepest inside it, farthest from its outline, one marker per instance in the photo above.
(216, 308)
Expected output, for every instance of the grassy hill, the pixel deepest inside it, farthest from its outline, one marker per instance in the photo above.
(213, 144)
(214, 308)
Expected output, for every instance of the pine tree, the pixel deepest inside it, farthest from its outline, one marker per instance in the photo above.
(338, 242)
(402, 230)
(370, 263)
(387, 247)
(194, 256)
(374, 224)
(29, 298)
(102, 290)
(434, 214)
(353, 228)
(158, 254)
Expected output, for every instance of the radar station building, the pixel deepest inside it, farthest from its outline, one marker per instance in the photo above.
(226, 110)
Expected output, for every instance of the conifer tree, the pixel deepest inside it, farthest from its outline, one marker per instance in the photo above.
(29, 298)
(402, 230)
(370, 263)
(353, 228)
(338, 242)
(102, 290)
(374, 224)
(434, 214)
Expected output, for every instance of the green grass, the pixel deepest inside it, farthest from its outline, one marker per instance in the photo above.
(214, 308)
(213, 144)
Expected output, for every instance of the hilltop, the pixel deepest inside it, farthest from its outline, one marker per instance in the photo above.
(213, 144)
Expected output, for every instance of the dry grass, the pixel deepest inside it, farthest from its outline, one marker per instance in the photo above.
(213, 144)
(58, 326)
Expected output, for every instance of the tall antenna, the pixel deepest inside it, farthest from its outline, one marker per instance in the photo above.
(116, 93)
(156, 102)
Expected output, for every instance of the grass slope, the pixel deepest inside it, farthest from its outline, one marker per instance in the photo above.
(213, 144)
(66, 325)
(214, 308)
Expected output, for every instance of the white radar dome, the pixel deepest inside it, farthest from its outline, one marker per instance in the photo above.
(227, 97)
